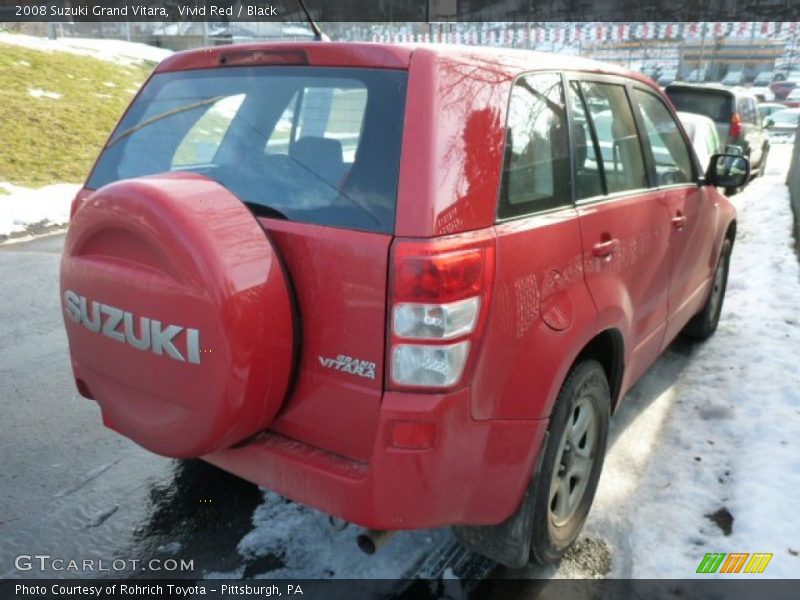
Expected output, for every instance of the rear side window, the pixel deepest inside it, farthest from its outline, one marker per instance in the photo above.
(714, 105)
(536, 170)
(748, 110)
(617, 138)
(316, 145)
(588, 166)
(672, 157)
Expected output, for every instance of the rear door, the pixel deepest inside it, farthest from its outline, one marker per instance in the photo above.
(692, 208)
(624, 223)
(540, 294)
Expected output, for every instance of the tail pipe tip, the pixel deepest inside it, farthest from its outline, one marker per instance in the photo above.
(371, 540)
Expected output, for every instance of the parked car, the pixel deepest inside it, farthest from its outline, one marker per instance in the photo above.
(431, 331)
(733, 78)
(792, 99)
(696, 76)
(762, 94)
(765, 109)
(764, 78)
(702, 134)
(735, 113)
(784, 74)
(782, 126)
(667, 76)
(781, 89)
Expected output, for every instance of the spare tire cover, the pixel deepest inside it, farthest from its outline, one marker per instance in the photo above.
(178, 313)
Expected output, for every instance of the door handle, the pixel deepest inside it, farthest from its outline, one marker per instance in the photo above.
(679, 221)
(606, 248)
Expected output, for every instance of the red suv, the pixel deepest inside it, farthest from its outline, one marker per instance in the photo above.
(406, 286)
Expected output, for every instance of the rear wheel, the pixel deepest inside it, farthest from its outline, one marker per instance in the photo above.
(572, 462)
(704, 323)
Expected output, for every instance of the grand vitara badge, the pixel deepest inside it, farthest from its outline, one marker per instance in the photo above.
(348, 364)
(121, 325)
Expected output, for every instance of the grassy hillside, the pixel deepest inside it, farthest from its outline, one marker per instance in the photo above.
(56, 111)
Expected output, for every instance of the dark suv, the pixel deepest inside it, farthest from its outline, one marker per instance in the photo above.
(407, 286)
(735, 113)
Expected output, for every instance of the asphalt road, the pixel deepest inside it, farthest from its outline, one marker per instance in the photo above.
(70, 487)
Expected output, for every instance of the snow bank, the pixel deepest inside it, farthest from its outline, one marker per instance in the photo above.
(116, 51)
(22, 207)
(716, 425)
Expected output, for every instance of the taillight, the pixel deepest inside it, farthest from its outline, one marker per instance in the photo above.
(440, 293)
(736, 126)
(241, 58)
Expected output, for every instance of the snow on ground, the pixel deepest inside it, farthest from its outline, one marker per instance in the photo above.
(40, 93)
(22, 207)
(715, 426)
(290, 540)
(116, 51)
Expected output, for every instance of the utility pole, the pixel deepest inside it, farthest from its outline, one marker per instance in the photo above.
(702, 49)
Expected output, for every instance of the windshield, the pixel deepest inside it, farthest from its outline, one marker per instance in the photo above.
(785, 117)
(316, 145)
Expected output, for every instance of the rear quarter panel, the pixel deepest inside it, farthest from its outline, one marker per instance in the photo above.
(541, 317)
(452, 144)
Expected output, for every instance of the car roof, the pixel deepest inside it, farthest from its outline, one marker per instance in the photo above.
(366, 54)
(689, 117)
(739, 92)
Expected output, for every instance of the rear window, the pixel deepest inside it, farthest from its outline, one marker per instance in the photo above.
(315, 145)
(716, 106)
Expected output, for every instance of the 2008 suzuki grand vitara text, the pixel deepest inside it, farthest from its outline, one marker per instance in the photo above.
(403, 285)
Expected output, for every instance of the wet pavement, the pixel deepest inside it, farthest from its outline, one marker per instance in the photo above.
(72, 488)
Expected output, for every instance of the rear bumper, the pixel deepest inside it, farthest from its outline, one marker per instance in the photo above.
(475, 472)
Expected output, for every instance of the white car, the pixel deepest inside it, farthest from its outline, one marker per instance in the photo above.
(703, 134)
(763, 93)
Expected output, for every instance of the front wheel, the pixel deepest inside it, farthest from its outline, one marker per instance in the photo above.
(572, 462)
(704, 323)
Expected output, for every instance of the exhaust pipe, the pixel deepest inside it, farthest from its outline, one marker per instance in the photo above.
(337, 524)
(372, 539)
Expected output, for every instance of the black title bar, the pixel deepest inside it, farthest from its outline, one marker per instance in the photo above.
(399, 10)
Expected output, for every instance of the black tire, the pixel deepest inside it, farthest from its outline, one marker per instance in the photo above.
(585, 394)
(731, 191)
(704, 324)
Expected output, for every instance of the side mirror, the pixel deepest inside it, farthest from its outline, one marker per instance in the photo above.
(768, 124)
(728, 170)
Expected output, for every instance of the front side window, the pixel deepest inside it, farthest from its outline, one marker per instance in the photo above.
(617, 138)
(673, 159)
(536, 171)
